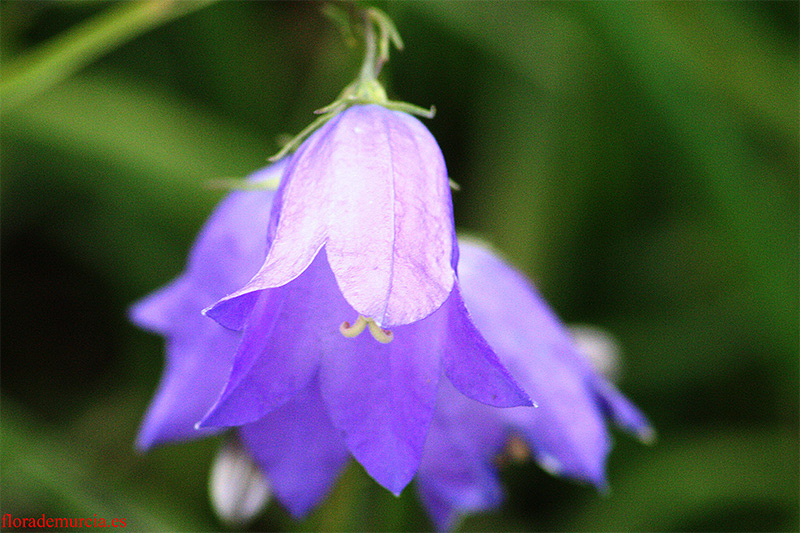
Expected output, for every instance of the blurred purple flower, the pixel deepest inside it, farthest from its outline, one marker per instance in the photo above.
(299, 445)
(199, 354)
(566, 433)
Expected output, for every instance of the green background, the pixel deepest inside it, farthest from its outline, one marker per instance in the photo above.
(638, 160)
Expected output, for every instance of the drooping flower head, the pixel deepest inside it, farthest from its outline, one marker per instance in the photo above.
(361, 227)
(298, 446)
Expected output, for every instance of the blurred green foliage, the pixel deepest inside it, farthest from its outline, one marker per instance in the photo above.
(639, 160)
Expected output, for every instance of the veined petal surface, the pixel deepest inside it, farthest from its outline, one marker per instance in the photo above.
(371, 186)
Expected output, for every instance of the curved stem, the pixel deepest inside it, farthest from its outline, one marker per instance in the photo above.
(370, 68)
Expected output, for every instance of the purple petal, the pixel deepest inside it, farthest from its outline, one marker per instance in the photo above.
(372, 184)
(232, 244)
(472, 366)
(626, 415)
(199, 352)
(285, 334)
(297, 227)
(506, 307)
(382, 397)
(157, 312)
(299, 450)
(567, 430)
(456, 475)
(196, 369)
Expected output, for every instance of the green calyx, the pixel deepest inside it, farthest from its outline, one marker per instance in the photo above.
(366, 89)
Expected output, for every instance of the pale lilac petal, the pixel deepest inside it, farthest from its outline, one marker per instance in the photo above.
(382, 397)
(283, 339)
(391, 232)
(472, 366)
(371, 186)
(199, 352)
(298, 226)
(456, 475)
(299, 450)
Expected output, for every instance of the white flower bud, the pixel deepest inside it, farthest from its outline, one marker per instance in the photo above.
(600, 348)
(237, 488)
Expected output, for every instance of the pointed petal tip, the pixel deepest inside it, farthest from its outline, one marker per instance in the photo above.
(647, 435)
(151, 434)
(222, 415)
(398, 486)
(472, 365)
(594, 474)
(212, 420)
(623, 412)
(390, 479)
(143, 315)
(144, 443)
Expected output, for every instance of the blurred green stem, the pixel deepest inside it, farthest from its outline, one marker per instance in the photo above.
(55, 60)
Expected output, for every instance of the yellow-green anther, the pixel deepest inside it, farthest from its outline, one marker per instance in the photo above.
(355, 330)
(384, 336)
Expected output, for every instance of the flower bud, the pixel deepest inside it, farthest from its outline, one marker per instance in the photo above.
(237, 488)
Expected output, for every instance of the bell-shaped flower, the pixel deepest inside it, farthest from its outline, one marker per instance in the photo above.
(299, 446)
(361, 231)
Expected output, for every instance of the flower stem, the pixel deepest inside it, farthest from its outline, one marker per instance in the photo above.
(57, 59)
(369, 69)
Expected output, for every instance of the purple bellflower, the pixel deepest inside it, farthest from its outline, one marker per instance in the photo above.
(361, 230)
(566, 433)
(300, 445)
